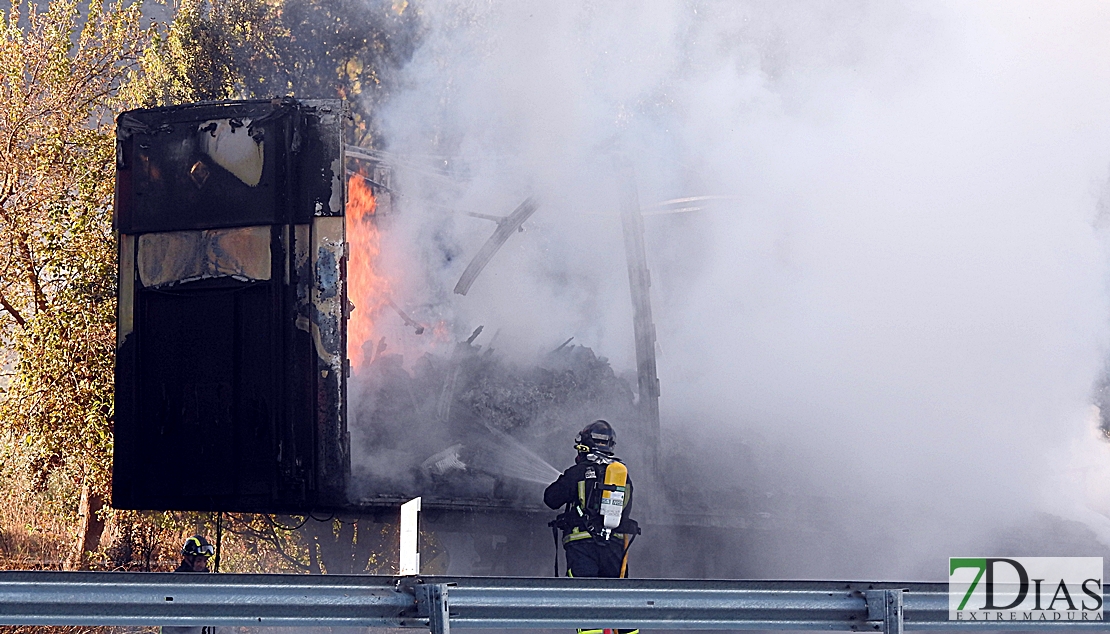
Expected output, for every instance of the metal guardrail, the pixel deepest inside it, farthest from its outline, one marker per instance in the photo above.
(442, 603)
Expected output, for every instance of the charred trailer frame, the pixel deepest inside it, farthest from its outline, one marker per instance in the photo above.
(231, 352)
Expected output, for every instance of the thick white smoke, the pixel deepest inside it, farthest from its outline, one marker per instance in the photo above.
(900, 305)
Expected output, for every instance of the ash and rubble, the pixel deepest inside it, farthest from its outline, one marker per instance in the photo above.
(471, 431)
(473, 426)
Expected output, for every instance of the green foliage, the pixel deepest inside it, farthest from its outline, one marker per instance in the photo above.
(66, 69)
(313, 49)
(61, 78)
(203, 53)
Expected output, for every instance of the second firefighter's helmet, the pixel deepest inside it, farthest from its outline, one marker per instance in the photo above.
(597, 436)
(198, 545)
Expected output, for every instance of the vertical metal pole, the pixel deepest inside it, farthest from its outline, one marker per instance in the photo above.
(639, 281)
(219, 538)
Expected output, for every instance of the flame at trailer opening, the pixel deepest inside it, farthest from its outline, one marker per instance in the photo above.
(367, 288)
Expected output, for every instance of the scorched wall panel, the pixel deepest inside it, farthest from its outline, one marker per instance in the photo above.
(231, 353)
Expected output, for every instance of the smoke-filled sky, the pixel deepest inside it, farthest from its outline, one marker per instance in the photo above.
(900, 300)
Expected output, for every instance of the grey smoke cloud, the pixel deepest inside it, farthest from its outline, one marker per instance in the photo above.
(900, 305)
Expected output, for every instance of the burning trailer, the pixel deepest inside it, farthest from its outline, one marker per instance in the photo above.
(252, 375)
(236, 224)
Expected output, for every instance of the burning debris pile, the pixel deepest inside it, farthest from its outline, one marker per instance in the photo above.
(461, 423)
(473, 426)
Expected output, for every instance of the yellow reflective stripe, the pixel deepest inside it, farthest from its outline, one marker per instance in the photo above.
(581, 494)
(581, 631)
(575, 535)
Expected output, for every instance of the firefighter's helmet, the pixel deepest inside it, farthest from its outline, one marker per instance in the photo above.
(198, 545)
(597, 436)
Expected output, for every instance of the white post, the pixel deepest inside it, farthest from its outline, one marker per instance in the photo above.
(410, 559)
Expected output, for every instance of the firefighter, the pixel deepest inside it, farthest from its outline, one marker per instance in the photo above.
(597, 495)
(195, 555)
(194, 558)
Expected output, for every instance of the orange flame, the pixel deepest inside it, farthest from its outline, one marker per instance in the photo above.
(367, 288)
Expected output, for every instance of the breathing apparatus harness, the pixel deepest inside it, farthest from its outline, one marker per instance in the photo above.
(600, 506)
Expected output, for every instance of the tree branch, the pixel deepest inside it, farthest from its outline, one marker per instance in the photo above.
(6, 305)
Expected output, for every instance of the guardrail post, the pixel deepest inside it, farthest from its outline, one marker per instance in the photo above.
(431, 602)
(885, 606)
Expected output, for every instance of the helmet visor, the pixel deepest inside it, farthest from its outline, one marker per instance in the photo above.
(194, 549)
(601, 440)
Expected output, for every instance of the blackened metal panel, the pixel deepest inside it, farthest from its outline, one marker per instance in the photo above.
(328, 321)
(125, 304)
(297, 473)
(191, 167)
(127, 467)
(320, 161)
(230, 385)
(204, 398)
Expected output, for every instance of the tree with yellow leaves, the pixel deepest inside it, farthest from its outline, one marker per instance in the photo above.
(313, 49)
(62, 79)
(66, 69)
